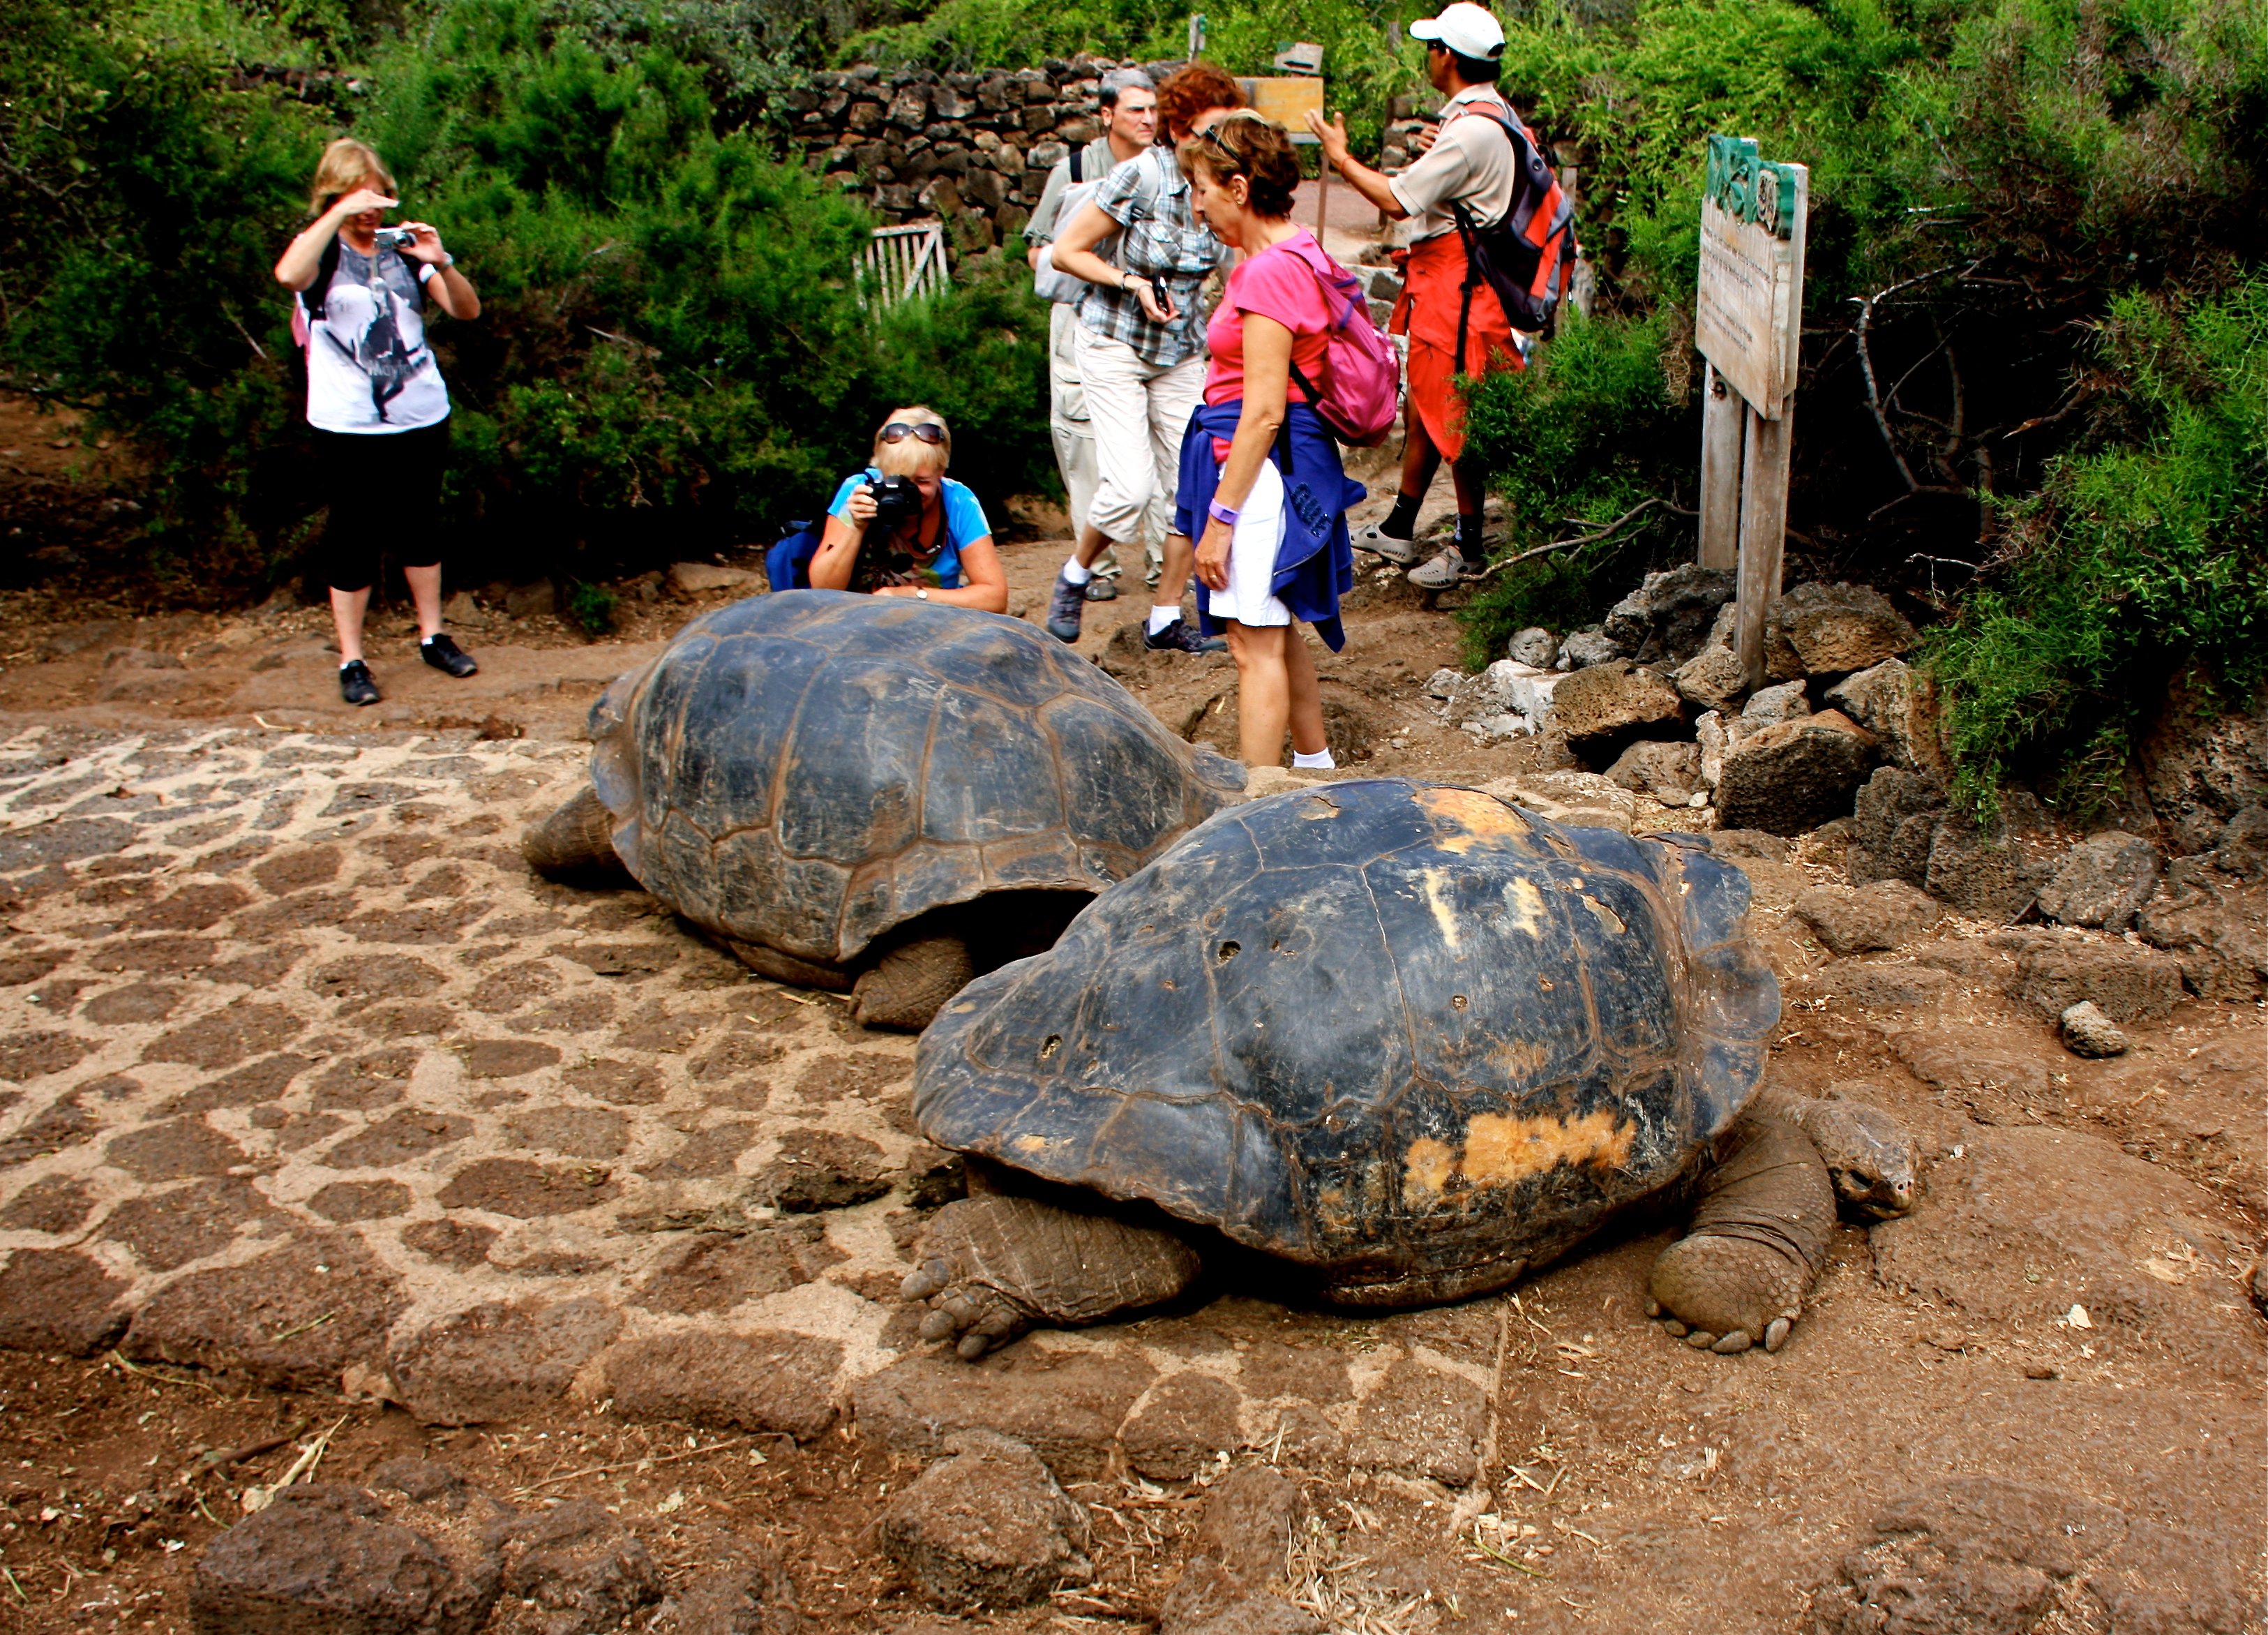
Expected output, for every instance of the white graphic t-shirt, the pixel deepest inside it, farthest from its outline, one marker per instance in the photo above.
(369, 369)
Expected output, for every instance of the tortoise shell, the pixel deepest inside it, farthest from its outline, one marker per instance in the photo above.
(806, 772)
(1403, 1035)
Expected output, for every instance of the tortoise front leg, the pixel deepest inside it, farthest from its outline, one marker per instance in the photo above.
(1758, 1240)
(995, 1265)
(910, 983)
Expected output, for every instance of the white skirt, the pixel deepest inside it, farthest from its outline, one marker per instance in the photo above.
(1252, 548)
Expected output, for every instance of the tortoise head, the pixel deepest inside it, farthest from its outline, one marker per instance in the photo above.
(1873, 1163)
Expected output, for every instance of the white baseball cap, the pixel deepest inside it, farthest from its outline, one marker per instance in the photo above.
(1464, 28)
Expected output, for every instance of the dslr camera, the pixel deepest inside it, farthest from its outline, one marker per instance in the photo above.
(396, 237)
(897, 502)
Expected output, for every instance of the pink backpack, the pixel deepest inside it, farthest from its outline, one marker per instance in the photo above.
(1362, 378)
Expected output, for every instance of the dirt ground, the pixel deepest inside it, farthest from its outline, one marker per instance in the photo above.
(2033, 1405)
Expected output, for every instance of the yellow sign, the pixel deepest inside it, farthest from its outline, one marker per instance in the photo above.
(1287, 101)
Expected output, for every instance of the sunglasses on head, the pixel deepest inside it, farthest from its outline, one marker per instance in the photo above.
(928, 431)
(1212, 135)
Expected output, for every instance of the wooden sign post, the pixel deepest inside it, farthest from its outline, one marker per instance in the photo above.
(1748, 323)
(1288, 98)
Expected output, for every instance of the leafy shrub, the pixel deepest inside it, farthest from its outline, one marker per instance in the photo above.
(1588, 431)
(591, 607)
(2129, 565)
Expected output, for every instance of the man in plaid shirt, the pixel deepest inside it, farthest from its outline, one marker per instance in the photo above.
(1141, 350)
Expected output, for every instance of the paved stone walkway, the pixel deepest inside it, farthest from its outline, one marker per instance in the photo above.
(307, 1076)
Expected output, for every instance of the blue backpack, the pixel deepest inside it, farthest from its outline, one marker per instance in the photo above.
(788, 564)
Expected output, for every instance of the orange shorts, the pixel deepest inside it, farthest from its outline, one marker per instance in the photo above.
(1434, 300)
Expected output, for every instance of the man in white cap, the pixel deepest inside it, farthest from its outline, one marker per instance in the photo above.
(1455, 322)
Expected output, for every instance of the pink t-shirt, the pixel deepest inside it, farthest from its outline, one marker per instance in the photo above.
(1275, 284)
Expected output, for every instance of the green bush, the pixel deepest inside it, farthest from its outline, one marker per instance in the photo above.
(1589, 431)
(590, 608)
(2129, 565)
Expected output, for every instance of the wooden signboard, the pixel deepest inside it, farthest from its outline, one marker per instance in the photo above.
(1287, 99)
(1748, 323)
(1748, 319)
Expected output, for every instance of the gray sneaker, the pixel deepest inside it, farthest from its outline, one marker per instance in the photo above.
(1446, 569)
(1065, 608)
(1180, 637)
(1393, 547)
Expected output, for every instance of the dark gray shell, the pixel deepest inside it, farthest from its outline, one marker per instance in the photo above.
(1396, 1032)
(809, 770)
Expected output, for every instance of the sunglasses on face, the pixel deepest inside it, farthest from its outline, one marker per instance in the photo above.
(898, 431)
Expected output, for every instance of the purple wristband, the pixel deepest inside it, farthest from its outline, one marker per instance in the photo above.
(1219, 512)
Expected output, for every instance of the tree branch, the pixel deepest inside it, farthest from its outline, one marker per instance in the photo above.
(1598, 532)
(1859, 332)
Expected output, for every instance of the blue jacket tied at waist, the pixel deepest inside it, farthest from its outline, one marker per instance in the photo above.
(1316, 562)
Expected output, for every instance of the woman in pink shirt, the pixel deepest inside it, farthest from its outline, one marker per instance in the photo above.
(1259, 469)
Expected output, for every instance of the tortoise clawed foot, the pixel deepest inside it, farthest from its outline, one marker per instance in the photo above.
(995, 1265)
(933, 1277)
(1727, 1294)
(973, 1318)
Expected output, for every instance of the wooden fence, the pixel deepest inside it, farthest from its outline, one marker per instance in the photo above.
(902, 264)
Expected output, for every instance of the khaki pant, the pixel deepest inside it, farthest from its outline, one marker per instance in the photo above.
(1139, 411)
(1073, 436)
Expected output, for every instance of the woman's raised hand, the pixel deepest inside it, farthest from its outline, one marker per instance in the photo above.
(863, 509)
(362, 201)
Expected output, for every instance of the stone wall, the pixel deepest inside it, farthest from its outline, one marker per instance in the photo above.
(972, 150)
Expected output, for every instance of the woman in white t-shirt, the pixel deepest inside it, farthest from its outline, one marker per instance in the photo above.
(375, 399)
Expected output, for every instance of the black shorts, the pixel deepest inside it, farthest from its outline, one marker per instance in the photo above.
(384, 489)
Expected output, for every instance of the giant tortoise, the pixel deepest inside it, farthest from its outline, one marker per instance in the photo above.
(829, 784)
(1410, 1040)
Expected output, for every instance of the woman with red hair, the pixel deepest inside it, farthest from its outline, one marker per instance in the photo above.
(1141, 349)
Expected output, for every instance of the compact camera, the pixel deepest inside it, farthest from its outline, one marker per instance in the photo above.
(397, 238)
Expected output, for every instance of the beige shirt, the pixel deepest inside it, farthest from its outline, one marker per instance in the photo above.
(1470, 163)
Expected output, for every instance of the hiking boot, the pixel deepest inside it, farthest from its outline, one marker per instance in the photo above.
(1180, 637)
(1100, 589)
(1399, 551)
(1065, 608)
(444, 654)
(1449, 568)
(356, 684)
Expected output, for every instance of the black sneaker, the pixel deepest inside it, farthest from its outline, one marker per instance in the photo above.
(355, 685)
(1065, 608)
(1180, 637)
(444, 654)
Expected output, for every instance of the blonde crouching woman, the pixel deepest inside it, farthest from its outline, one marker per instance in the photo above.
(938, 550)
(1260, 472)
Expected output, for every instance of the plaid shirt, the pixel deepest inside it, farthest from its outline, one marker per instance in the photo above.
(1161, 238)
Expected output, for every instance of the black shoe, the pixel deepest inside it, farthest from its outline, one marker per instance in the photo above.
(355, 685)
(1180, 637)
(1065, 608)
(444, 654)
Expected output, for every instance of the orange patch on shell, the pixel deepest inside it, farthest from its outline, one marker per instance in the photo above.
(1468, 819)
(1501, 1150)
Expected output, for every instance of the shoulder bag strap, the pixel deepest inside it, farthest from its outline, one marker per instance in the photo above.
(326, 267)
